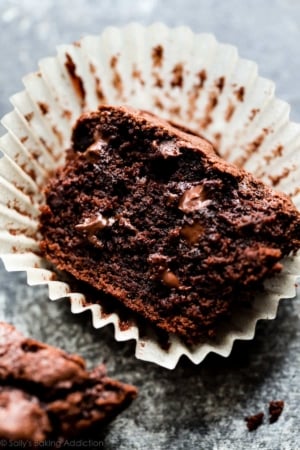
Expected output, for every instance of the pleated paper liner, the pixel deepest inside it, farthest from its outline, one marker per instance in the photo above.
(179, 75)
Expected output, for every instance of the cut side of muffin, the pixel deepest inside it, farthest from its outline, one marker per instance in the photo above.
(148, 213)
(46, 393)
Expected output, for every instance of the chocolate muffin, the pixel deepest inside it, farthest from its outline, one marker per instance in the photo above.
(47, 394)
(148, 213)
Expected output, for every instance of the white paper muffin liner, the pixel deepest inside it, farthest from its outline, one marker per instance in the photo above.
(182, 76)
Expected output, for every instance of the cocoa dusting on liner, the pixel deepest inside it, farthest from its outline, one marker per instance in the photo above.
(157, 56)
(47, 147)
(28, 232)
(220, 83)
(98, 88)
(229, 111)
(211, 104)
(43, 107)
(293, 194)
(240, 93)
(114, 61)
(77, 81)
(158, 104)
(177, 80)
(66, 114)
(92, 68)
(202, 75)
(253, 113)
(194, 93)
(158, 81)
(29, 116)
(213, 100)
(28, 170)
(99, 91)
(252, 148)
(58, 134)
(216, 142)
(14, 204)
(116, 80)
(276, 153)
(175, 111)
(137, 75)
(276, 179)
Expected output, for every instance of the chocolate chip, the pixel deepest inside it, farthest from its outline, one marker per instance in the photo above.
(170, 279)
(169, 148)
(192, 233)
(94, 151)
(193, 199)
(93, 224)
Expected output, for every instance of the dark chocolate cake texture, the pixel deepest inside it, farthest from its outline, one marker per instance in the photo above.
(148, 213)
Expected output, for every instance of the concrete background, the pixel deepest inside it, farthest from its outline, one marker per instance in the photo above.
(191, 407)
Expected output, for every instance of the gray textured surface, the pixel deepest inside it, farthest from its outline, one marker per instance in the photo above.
(191, 407)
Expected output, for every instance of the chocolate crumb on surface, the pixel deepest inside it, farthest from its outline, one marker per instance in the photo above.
(255, 421)
(275, 410)
(46, 393)
(156, 189)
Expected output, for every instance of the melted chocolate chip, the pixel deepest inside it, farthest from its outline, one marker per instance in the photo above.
(170, 279)
(193, 199)
(94, 151)
(93, 224)
(125, 222)
(169, 148)
(157, 258)
(192, 233)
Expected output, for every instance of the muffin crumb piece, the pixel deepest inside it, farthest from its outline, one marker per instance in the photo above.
(47, 394)
(255, 421)
(275, 410)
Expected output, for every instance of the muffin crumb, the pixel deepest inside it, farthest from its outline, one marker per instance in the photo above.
(275, 410)
(255, 421)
